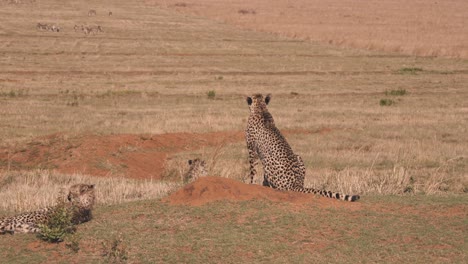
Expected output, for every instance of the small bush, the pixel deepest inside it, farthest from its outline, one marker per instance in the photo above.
(399, 92)
(115, 251)
(410, 70)
(59, 224)
(73, 243)
(12, 93)
(247, 11)
(211, 94)
(386, 102)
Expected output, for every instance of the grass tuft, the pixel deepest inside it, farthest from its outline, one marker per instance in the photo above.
(410, 70)
(73, 243)
(399, 92)
(247, 12)
(386, 102)
(115, 251)
(211, 94)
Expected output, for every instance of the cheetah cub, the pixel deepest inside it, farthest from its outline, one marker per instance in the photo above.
(196, 170)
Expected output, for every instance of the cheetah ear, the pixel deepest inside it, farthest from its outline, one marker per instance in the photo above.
(190, 162)
(249, 100)
(267, 98)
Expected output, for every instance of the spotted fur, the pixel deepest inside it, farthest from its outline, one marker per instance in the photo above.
(283, 169)
(81, 199)
(196, 170)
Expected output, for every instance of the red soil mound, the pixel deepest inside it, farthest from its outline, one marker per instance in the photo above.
(133, 156)
(211, 189)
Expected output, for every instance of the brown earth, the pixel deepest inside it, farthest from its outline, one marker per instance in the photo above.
(211, 189)
(133, 156)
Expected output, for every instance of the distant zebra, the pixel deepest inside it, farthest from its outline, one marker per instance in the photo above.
(92, 12)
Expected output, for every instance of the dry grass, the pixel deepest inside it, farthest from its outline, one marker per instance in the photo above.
(357, 173)
(417, 27)
(22, 191)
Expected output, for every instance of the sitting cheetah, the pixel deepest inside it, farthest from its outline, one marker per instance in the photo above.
(283, 169)
(81, 199)
(196, 170)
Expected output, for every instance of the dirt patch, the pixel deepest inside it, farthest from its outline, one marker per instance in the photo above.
(133, 156)
(210, 189)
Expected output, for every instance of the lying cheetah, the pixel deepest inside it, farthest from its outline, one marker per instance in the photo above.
(81, 199)
(196, 170)
(283, 169)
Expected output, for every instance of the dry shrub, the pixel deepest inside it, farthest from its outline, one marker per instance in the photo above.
(398, 181)
(247, 12)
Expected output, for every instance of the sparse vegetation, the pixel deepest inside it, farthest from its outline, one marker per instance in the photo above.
(411, 70)
(73, 242)
(386, 102)
(211, 94)
(14, 93)
(115, 251)
(399, 92)
(247, 11)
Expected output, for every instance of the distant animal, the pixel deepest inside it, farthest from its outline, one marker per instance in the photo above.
(196, 170)
(47, 27)
(92, 12)
(283, 169)
(81, 199)
(110, 13)
(54, 28)
(42, 26)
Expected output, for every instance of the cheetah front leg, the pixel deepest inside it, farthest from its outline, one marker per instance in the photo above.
(253, 161)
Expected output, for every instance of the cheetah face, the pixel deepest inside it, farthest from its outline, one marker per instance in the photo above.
(258, 102)
(82, 195)
(197, 169)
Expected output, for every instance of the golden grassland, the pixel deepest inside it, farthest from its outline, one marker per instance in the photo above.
(30, 190)
(150, 71)
(415, 27)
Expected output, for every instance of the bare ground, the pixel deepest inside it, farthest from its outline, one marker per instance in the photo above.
(132, 156)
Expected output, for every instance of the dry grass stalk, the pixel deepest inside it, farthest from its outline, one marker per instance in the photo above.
(28, 190)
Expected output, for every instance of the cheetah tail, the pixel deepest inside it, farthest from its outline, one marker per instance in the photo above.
(329, 194)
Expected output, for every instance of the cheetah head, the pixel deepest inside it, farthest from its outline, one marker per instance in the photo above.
(82, 196)
(258, 102)
(197, 169)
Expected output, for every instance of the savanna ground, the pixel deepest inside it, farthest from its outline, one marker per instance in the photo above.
(126, 107)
